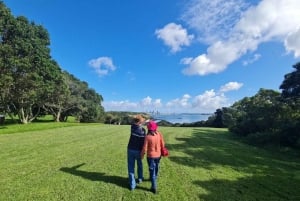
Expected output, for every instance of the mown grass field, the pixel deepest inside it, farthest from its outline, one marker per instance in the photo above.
(88, 162)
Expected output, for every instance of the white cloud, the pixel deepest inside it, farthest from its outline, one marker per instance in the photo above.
(121, 106)
(145, 105)
(292, 43)
(218, 56)
(179, 103)
(102, 65)
(213, 19)
(252, 60)
(230, 86)
(148, 103)
(174, 36)
(208, 101)
(232, 29)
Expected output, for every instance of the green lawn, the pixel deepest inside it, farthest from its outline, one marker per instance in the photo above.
(88, 162)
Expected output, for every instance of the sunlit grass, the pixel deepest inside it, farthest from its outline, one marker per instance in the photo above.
(88, 162)
(43, 123)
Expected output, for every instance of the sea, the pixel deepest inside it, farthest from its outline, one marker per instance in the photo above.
(181, 117)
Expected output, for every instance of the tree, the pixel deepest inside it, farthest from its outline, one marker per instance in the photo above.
(291, 84)
(6, 80)
(257, 114)
(92, 109)
(57, 94)
(218, 122)
(290, 125)
(28, 63)
(32, 81)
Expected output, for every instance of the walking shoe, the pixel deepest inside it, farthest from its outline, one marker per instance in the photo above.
(131, 188)
(153, 190)
(138, 181)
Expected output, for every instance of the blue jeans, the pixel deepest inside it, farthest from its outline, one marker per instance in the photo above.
(132, 156)
(153, 164)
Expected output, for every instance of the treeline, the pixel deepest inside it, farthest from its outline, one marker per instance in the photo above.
(269, 117)
(32, 83)
(121, 118)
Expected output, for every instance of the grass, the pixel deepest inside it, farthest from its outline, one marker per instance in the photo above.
(88, 162)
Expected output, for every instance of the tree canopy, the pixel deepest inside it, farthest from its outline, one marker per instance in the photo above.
(31, 81)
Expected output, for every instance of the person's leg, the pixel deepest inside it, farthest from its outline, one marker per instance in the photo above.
(157, 166)
(139, 167)
(152, 168)
(130, 165)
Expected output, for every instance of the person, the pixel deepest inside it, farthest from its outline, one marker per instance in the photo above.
(135, 145)
(152, 146)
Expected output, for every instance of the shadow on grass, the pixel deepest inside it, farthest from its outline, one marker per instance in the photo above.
(269, 188)
(263, 175)
(207, 148)
(96, 176)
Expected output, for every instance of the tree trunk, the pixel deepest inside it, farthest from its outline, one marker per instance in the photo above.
(22, 117)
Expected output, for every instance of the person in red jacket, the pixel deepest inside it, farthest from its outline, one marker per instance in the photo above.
(152, 146)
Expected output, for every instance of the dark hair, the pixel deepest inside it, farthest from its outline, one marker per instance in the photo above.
(151, 132)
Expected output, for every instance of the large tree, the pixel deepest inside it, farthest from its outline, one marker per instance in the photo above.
(83, 102)
(6, 80)
(56, 95)
(256, 114)
(29, 65)
(291, 84)
(290, 127)
(28, 73)
(31, 80)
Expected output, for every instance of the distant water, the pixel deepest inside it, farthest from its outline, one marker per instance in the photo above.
(182, 118)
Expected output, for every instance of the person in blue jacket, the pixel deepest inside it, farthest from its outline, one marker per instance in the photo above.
(134, 148)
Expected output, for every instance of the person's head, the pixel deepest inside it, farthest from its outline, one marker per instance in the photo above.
(138, 119)
(152, 126)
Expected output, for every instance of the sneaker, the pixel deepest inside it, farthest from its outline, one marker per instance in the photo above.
(139, 181)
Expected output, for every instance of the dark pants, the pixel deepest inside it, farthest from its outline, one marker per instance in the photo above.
(132, 157)
(153, 164)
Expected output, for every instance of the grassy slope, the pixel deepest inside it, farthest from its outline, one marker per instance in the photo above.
(89, 163)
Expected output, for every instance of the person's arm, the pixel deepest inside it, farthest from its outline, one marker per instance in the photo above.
(162, 140)
(138, 130)
(145, 147)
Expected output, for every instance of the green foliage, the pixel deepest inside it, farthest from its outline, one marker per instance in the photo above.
(32, 83)
(289, 133)
(122, 118)
(269, 117)
(259, 113)
(291, 84)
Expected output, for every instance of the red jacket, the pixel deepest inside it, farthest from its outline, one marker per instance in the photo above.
(152, 145)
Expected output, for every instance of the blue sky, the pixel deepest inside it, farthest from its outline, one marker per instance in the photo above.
(171, 56)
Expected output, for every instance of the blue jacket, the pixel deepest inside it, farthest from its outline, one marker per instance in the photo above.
(137, 137)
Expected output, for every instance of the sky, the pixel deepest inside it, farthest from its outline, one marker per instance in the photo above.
(170, 56)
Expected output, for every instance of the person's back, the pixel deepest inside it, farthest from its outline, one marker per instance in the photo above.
(153, 143)
(137, 137)
(135, 145)
(152, 146)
